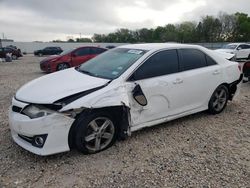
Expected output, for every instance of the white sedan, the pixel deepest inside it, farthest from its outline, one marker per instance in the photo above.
(241, 50)
(120, 91)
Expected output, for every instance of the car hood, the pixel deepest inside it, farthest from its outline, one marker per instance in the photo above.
(50, 58)
(50, 88)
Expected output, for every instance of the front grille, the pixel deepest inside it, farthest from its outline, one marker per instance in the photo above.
(16, 109)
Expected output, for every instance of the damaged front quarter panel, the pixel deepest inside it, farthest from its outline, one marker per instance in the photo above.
(114, 100)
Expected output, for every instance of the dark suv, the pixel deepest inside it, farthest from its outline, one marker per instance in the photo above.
(15, 53)
(48, 51)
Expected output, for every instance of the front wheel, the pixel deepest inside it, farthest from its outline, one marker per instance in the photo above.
(218, 100)
(62, 66)
(95, 132)
(14, 57)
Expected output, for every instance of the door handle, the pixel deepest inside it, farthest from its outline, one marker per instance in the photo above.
(216, 72)
(178, 81)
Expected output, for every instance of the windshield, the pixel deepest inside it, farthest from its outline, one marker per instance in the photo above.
(229, 46)
(66, 52)
(111, 64)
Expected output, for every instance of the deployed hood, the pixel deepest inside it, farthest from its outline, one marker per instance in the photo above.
(50, 88)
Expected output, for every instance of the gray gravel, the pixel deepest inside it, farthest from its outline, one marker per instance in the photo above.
(196, 151)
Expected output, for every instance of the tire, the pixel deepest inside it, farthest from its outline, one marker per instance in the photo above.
(218, 100)
(40, 54)
(14, 57)
(94, 132)
(248, 57)
(62, 66)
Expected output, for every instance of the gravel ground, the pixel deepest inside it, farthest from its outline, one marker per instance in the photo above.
(196, 151)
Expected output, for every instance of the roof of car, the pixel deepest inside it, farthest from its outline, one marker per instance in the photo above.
(156, 46)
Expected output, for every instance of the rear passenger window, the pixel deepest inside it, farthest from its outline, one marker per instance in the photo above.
(162, 63)
(210, 61)
(191, 59)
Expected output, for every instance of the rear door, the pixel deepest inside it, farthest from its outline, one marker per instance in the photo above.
(80, 56)
(199, 78)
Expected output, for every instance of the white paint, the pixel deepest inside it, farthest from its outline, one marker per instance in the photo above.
(49, 88)
(169, 97)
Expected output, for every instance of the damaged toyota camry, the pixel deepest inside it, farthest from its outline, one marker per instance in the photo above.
(120, 91)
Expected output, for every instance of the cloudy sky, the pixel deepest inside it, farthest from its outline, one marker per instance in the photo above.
(46, 20)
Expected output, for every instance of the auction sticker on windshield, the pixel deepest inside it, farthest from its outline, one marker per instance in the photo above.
(138, 52)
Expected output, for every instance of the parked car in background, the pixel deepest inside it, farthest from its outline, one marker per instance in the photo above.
(15, 53)
(70, 58)
(110, 47)
(118, 92)
(241, 50)
(48, 51)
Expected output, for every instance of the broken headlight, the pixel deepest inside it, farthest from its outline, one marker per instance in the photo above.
(36, 111)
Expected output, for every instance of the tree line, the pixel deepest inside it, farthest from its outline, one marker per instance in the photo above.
(222, 28)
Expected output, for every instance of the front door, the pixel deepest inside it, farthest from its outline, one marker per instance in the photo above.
(156, 78)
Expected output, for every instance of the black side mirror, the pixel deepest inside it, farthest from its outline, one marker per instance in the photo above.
(139, 95)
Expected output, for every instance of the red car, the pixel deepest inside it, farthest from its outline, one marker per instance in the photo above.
(71, 58)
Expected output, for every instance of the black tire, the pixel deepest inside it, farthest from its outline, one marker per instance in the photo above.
(218, 100)
(14, 57)
(40, 54)
(62, 66)
(84, 140)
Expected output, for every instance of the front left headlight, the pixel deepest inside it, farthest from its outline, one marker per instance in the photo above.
(36, 111)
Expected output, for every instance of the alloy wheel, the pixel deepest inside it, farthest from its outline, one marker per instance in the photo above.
(62, 66)
(100, 133)
(220, 99)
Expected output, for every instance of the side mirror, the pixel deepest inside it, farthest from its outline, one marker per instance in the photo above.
(139, 95)
(239, 48)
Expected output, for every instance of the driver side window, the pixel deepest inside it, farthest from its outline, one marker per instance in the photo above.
(162, 63)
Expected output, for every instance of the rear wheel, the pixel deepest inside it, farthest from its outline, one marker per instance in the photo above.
(62, 66)
(219, 99)
(40, 54)
(95, 133)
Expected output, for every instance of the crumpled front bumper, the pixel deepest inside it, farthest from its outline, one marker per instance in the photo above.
(56, 126)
